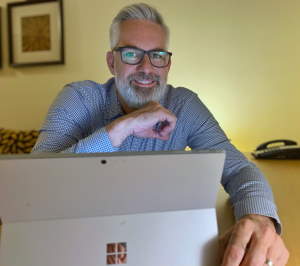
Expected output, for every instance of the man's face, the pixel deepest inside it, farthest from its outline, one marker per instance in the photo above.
(141, 83)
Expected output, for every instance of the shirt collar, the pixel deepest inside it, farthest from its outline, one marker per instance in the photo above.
(114, 109)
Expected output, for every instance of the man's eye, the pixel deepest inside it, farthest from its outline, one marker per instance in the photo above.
(158, 55)
(130, 54)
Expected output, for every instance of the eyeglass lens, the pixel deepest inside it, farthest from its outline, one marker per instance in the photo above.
(134, 56)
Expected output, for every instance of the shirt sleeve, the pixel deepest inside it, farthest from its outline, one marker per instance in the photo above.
(246, 185)
(67, 127)
(49, 141)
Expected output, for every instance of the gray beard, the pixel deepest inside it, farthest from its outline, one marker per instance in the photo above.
(136, 97)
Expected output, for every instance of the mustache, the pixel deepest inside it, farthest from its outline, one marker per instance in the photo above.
(140, 76)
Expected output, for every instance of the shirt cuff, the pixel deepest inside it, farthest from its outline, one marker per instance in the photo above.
(260, 206)
(99, 141)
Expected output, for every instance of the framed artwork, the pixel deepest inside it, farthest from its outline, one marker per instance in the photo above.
(35, 33)
(0, 38)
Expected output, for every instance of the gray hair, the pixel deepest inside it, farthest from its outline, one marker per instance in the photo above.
(135, 11)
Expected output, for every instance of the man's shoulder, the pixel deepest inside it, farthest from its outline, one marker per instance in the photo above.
(183, 100)
(88, 85)
(83, 83)
(86, 92)
(180, 93)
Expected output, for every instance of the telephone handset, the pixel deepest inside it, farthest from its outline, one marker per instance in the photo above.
(278, 149)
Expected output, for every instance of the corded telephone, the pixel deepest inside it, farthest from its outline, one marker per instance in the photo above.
(278, 149)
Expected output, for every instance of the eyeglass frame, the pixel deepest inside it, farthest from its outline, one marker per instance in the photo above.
(119, 49)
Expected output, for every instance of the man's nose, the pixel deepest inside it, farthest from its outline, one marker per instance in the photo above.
(145, 65)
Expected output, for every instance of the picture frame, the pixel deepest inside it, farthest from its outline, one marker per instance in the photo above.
(0, 37)
(36, 33)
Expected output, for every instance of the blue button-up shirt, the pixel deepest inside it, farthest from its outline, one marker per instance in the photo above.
(76, 124)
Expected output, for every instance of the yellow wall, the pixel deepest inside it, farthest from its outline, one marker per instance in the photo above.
(241, 57)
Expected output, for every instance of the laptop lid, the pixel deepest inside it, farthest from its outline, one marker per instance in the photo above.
(39, 187)
(110, 209)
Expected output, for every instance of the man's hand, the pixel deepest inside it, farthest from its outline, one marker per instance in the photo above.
(142, 123)
(251, 241)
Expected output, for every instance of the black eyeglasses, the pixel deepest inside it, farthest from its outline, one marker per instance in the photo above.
(134, 56)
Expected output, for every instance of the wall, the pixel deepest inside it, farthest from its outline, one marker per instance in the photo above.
(241, 57)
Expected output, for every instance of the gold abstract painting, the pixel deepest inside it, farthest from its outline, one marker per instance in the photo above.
(36, 33)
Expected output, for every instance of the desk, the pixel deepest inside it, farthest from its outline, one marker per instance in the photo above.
(284, 177)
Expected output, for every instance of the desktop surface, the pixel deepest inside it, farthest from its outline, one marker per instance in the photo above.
(284, 178)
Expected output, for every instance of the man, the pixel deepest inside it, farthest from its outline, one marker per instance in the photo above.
(137, 111)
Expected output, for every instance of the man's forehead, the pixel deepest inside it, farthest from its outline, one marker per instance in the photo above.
(143, 34)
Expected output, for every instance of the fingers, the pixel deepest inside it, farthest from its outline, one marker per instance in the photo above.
(223, 242)
(278, 253)
(158, 113)
(252, 241)
(260, 243)
(153, 121)
(141, 123)
(237, 243)
(266, 248)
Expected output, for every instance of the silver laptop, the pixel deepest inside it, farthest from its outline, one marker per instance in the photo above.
(150, 209)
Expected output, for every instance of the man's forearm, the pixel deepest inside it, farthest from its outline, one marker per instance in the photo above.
(119, 130)
(141, 123)
(98, 141)
(250, 193)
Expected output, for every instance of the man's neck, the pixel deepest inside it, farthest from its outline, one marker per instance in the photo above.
(126, 109)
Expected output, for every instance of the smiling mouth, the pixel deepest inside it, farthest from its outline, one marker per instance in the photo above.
(144, 83)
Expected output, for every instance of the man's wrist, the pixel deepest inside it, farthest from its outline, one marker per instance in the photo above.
(118, 131)
(262, 218)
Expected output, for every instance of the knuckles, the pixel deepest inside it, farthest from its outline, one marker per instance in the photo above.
(246, 224)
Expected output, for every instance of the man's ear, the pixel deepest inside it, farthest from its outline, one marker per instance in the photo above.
(110, 62)
(169, 66)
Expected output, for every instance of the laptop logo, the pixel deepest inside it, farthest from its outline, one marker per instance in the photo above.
(116, 253)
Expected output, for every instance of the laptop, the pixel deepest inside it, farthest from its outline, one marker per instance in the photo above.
(149, 208)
